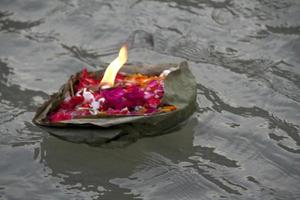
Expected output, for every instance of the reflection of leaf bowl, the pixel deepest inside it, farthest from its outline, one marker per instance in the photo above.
(180, 91)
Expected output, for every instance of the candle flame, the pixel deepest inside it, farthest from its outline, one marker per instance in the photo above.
(111, 71)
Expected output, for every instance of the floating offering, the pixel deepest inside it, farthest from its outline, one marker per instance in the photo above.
(101, 106)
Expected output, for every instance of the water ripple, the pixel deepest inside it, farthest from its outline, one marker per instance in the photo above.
(292, 130)
(15, 26)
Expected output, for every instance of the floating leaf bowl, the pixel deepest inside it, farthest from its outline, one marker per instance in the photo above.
(179, 90)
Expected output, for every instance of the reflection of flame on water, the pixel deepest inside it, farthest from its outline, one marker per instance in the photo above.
(113, 68)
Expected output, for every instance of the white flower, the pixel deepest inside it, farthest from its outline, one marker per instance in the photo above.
(166, 72)
(101, 100)
(95, 105)
(88, 96)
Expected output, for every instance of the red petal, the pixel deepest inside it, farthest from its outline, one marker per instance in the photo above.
(72, 103)
(60, 116)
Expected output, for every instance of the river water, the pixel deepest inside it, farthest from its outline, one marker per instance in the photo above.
(243, 142)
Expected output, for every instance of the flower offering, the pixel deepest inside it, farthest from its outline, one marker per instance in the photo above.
(133, 94)
(114, 93)
(121, 103)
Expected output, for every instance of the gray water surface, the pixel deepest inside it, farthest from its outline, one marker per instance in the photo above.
(243, 142)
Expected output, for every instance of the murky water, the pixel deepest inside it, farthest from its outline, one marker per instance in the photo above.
(243, 141)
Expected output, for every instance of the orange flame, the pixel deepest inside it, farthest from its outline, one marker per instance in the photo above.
(111, 71)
